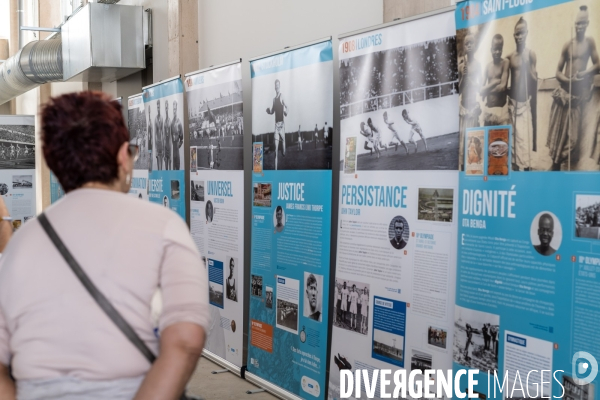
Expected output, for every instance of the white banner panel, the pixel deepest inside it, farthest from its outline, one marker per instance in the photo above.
(215, 112)
(395, 272)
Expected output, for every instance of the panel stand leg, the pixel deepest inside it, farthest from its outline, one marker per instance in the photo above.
(254, 391)
(219, 371)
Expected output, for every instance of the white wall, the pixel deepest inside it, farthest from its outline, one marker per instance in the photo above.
(4, 19)
(230, 29)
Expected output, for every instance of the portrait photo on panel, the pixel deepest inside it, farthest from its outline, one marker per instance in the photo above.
(209, 210)
(398, 232)
(165, 201)
(546, 233)
(313, 296)
(231, 279)
(269, 297)
(279, 219)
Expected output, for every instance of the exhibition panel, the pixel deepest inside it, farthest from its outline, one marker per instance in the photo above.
(292, 118)
(216, 129)
(527, 283)
(17, 166)
(396, 248)
(163, 103)
(140, 133)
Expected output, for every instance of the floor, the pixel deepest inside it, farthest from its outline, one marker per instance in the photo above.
(224, 386)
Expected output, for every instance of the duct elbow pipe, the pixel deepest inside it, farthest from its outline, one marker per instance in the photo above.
(36, 63)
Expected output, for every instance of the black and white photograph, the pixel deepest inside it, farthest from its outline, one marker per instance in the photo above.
(313, 296)
(437, 336)
(287, 300)
(231, 281)
(398, 232)
(165, 202)
(193, 160)
(17, 146)
(476, 339)
(257, 285)
(139, 133)
(388, 345)
(552, 108)
(209, 211)
(197, 190)
(278, 219)
(165, 132)
(175, 190)
(216, 123)
(401, 105)
(268, 297)
(574, 391)
(420, 361)
(262, 194)
(3, 189)
(435, 204)
(22, 181)
(215, 294)
(350, 156)
(587, 216)
(292, 114)
(287, 315)
(352, 306)
(546, 233)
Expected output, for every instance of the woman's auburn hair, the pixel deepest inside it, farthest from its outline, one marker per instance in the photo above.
(82, 133)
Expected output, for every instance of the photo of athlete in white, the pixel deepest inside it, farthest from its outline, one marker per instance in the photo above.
(299, 138)
(395, 134)
(280, 110)
(415, 128)
(376, 135)
(368, 134)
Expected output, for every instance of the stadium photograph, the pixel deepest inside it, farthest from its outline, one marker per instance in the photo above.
(17, 147)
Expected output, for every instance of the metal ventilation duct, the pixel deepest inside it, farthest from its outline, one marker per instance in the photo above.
(99, 43)
(36, 63)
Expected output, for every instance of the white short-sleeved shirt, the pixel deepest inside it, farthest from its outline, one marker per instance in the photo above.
(50, 327)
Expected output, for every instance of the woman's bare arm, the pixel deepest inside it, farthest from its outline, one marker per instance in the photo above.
(180, 348)
(7, 386)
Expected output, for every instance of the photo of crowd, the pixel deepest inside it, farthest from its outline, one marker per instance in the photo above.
(587, 216)
(17, 147)
(216, 124)
(380, 80)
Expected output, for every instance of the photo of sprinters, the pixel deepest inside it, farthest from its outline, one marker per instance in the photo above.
(397, 103)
